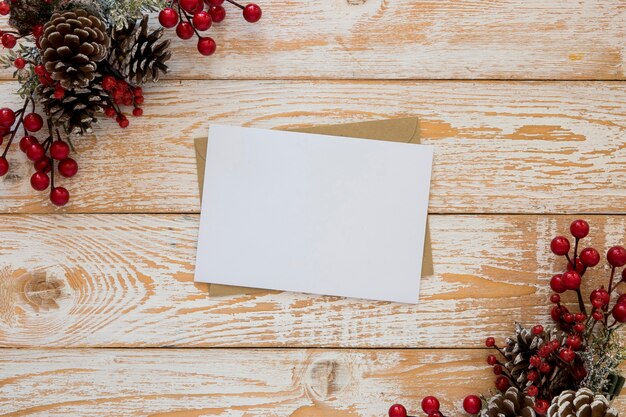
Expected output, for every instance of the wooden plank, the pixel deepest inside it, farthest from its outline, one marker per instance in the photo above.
(235, 382)
(500, 146)
(127, 281)
(408, 39)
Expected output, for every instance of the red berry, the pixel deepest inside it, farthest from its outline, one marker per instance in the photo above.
(188, 5)
(9, 40)
(39, 181)
(184, 30)
(492, 360)
(109, 111)
(168, 18)
(206, 46)
(555, 298)
(538, 329)
(490, 342)
(580, 317)
(567, 355)
(535, 361)
(35, 152)
(7, 117)
(59, 196)
(472, 404)
(202, 20)
(37, 31)
(579, 266)
(68, 167)
(26, 141)
(616, 256)
(19, 63)
(541, 406)
(579, 228)
(597, 315)
(557, 285)
(109, 83)
(589, 257)
(497, 369)
(430, 404)
(571, 280)
(600, 297)
(579, 372)
(579, 328)
(123, 122)
(252, 13)
(544, 351)
(214, 2)
(574, 342)
(5, 9)
(59, 150)
(139, 100)
(59, 92)
(32, 122)
(137, 111)
(502, 383)
(532, 375)
(4, 166)
(40, 70)
(621, 299)
(397, 410)
(557, 312)
(545, 368)
(619, 312)
(568, 318)
(44, 165)
(559, 245)
(217, 13)
(532, 391)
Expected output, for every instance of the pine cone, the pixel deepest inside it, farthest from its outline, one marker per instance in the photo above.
(77, 110)
(518, 350)
(138, 55)
(513, 403)
(581, 403)
(72, 44)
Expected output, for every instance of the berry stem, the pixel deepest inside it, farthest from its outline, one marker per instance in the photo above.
(581, 303)
(575, 253)
(611, 280)
(235, 3)
(19, 122)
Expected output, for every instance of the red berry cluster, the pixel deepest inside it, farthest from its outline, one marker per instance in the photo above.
(43, 155)
(122, 93)
(571, 280)
(194, 16)
(472, 404)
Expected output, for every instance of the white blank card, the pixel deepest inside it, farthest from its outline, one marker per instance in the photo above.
(313, 213)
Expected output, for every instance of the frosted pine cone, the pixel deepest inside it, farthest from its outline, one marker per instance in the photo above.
(513, 403)
(72, 44)
(581, 403)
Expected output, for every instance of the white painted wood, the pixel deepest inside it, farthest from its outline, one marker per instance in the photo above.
(407, 39)
(127, 280)
(500, 147)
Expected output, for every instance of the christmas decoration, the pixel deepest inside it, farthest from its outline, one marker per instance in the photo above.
(569, 368)
(79, 60)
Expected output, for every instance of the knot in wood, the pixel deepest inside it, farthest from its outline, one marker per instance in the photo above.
(41, 291)
(326, 379)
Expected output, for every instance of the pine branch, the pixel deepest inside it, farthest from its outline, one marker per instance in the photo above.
(118, 12)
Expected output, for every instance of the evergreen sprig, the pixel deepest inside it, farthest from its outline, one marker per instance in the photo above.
(602, 358)
(119, 12)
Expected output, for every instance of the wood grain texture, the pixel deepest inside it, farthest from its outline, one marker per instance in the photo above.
(408, 39)
(237, 383)
(501, 147)
(127, 281)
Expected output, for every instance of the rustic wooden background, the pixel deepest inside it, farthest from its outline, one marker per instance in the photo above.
(525, 102)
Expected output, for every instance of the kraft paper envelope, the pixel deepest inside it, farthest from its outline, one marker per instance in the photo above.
(395, 130)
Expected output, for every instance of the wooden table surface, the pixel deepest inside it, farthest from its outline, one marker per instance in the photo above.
(525, 103)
